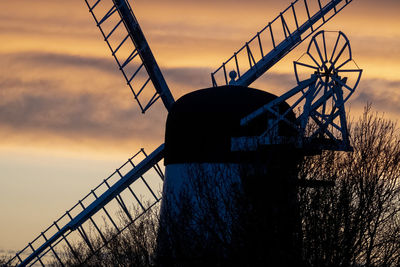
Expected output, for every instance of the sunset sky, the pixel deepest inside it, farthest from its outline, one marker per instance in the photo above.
(67, 118)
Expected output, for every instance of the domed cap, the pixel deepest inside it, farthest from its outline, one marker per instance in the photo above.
(200, 125)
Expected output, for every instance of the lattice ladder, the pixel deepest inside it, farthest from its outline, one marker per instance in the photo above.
(301, 19)
(96, 219)
(128, 45)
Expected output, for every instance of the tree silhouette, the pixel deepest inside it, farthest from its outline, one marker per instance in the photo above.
(357, 221)
(352, 221)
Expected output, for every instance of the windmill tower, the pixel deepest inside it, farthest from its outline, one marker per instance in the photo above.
(259, 125)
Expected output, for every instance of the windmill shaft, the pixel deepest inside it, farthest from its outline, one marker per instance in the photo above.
(138, 38)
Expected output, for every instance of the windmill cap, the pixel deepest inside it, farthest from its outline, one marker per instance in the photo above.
(200, 124)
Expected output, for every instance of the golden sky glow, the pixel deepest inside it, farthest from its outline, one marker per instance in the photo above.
(67, 119)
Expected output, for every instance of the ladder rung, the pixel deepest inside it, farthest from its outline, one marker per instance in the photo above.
(136, 198)
(226, 78)
(261, 50)
(250, 56)
(93, 222)
(119, 198)
(71, 248)
(52, 249)
(295, 16)
(106, 212)
(272, 35)
(308, 13)
(143, 86)
(159, 171)
(119, 46)
(108, 14)
(19, 258)
(130, 58)
(85, 238)
(68, 243)
(285, 27)
(320, 8)
(130, 161)
(213, 81)
(92, 7)
(153, 99)
(111, 32)
(38, 257)
(123, 206)
(136, 72)
(148, 187)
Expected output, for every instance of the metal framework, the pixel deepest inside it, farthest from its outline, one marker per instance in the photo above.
(129, 47)
(322, 97)
(300, 20)
(130, 188)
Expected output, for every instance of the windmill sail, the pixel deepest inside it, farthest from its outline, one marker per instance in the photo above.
(116, 203)
(321, 123)
(301, 19)
(129, 47)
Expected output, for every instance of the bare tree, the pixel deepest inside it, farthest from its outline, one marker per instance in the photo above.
(134, 246)
(358, 220)
(3, 260)
(228, 215)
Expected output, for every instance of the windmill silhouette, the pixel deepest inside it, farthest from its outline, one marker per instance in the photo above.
(320, 95)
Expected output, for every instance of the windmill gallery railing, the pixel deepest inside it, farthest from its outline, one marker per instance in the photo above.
(117, 202)
(301, 19)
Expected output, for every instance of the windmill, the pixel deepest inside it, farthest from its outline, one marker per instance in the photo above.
(322, 95)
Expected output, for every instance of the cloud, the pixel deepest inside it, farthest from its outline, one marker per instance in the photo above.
(45, 60)
(383, 94)
(72, 96)
(80, 98)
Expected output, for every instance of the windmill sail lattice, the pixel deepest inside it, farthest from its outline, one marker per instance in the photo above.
(129, 47)
(330, 81)
(301, 19)
(117, 202)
